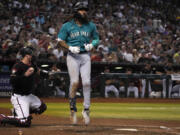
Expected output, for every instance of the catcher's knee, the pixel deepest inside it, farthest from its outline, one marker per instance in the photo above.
(42, 108)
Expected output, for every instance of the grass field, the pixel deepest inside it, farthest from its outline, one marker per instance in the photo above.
(152, 111)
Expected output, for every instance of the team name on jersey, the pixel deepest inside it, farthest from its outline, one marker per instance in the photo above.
(77, 34)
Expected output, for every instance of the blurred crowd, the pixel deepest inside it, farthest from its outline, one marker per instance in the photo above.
(130, 31)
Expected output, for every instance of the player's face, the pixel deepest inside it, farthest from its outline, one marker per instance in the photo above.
(83, 12)
(83, 15)
(29, 58)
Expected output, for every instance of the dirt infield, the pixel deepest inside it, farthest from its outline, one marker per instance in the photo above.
(48, 125)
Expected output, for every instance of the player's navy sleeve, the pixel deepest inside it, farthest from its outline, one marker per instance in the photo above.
(95, 36)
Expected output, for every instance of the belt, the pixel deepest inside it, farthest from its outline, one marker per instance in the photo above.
(20, 94)
(83, 52)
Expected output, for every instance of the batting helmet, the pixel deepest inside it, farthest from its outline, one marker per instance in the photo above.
(80, 5)
(26, 51)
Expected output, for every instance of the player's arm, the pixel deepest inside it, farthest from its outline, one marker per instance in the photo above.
(62, 43)
(62, 36)
(73, 49)
(95, 36)
(95, 39)
(17, 76)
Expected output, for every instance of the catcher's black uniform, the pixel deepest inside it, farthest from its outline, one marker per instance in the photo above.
(21, 84)
(23, 101)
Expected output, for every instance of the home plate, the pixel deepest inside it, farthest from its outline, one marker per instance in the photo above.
(127, 129)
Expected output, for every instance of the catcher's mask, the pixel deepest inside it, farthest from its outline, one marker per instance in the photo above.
(81, 6)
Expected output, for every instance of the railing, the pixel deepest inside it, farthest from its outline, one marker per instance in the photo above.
(148, 77)
(104, 76)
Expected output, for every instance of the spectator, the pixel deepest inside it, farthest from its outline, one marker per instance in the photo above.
(57, 82)
(135, 55)
(110, 86)
(168, 68)
(134, 28)
(132, 86)
(146, 84)
(58, 52)
(128, 31)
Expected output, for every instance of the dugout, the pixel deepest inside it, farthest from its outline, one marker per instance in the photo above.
(98, 76)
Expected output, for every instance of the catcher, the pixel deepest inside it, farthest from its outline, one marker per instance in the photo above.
(23, 101)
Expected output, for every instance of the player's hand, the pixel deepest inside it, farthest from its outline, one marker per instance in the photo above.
(88, 47)
(29, 71)
(74, 49)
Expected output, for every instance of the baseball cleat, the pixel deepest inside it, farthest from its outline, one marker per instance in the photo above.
(73, 117)
(86, 117)
(2, 118)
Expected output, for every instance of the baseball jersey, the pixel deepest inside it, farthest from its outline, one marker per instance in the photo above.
(75, 35)
(21, 84)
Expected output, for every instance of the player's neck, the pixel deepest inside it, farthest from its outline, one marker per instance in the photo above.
(78, 23)
(25, 61)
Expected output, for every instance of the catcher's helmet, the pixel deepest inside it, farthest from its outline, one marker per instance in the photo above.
(26, 51)
(80, 5)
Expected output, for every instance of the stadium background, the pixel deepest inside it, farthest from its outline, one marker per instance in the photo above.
(148, 31)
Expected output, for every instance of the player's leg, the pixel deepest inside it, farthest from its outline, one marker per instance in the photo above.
(143, 88)
(113, 89)
(85, 71)
(170, 88)
(150, 88)
(21, 106)
(36, 105)
(122, 90)
(175, 93)
(128, 91)
(164, 88)
(107, 90)
(136, 91)
(73, 70)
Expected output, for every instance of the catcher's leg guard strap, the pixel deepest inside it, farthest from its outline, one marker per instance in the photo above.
(42, 108)
(72, 102)
(39, 110)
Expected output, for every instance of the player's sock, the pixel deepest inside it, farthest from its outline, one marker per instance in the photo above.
(72, 102)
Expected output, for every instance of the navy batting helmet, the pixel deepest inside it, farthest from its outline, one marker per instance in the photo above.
(80, 5)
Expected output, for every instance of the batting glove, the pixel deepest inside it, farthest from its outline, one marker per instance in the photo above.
(74, 49)
(88, 47)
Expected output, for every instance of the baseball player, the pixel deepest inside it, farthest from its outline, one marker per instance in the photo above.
(23, 101)
(79, 36)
